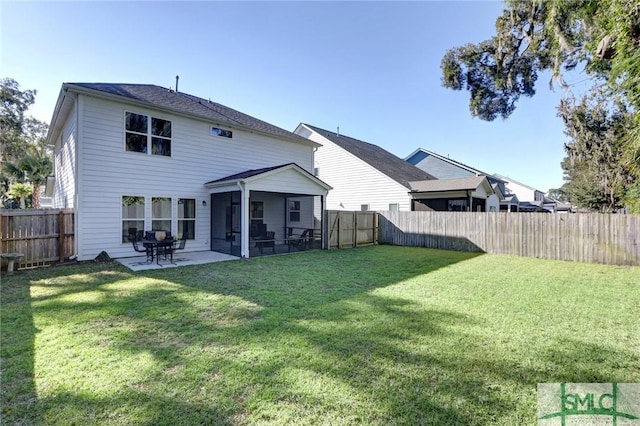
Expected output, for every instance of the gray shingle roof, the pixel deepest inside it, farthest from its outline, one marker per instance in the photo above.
(456, 184)
(182, 102)
(247, 174)
(380, 159)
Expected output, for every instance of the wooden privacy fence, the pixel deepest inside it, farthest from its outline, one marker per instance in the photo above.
(42, 235)
(594, 238)
(351, 229)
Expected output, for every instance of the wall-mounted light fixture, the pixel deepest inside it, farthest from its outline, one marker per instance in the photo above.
(204, 203)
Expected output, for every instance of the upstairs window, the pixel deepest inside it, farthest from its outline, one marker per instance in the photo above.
(146, 134)
(216, 131)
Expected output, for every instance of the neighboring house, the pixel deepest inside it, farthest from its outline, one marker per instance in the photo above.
(363, 175)
(446, 168)
(442, 167)
(530, 199)
(134, 157)
(510, 203)
(459, 194)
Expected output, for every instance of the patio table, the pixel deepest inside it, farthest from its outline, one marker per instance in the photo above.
(157, 246)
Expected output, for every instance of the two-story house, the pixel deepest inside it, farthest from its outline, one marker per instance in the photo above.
(136, 157)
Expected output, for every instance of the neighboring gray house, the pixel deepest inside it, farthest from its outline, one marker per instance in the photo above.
(446, 168)
(136, 157)
(363, 175)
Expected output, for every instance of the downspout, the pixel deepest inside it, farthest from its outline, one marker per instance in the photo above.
(76, 172)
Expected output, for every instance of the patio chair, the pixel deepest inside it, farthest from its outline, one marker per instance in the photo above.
(301, 243)
(147, 250)
(267, 240)
(169, 250)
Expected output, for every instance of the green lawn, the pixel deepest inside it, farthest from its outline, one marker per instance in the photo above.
(380, 335)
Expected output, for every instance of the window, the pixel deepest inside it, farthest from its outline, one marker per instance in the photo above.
(132, 217)
(215, 131)
(393, 207)
(160, 214)
(146, 134)
(257, 210)
(187, 218)
(364, 207)
(294, 211)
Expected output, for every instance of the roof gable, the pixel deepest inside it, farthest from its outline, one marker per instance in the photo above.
(163, 98)
(377, 157)
(421, 153)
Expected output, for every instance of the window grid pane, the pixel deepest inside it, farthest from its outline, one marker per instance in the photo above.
(186, 208)
(161, 208)
(136, 143)
(160, 127)
(188, 227)
(161, 225)
(161, 146)
(136, 122)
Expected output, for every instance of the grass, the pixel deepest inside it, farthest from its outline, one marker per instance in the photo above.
(380, 335)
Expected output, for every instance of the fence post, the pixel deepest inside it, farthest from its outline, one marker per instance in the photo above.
(61, 236)
(355, 229)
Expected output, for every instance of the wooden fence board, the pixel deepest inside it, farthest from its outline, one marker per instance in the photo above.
(42, 235)
(593, 238)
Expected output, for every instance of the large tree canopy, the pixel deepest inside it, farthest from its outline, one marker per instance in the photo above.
(596, 177)
(601, 36)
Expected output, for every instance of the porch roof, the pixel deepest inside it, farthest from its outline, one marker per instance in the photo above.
(292, 179)
(455, 184)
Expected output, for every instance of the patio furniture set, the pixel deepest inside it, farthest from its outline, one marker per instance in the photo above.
(156, 244)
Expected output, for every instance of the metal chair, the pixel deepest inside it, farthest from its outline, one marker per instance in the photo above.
(136, 247)
(169, 250)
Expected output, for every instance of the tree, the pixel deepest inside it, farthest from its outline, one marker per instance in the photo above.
(603, 36)
(25, 156)
(36, 168)
(558, 194)
(20, 191)
(597, 178)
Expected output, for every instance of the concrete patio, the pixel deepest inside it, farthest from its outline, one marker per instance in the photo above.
(139, 263)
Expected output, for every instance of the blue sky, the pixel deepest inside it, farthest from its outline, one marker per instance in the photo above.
(371, 68)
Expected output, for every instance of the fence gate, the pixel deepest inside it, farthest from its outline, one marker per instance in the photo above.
(42, 235)
(351, 228)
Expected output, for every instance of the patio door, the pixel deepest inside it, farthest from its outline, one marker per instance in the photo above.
(226, 235)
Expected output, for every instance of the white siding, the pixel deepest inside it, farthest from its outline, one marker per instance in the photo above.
(64, 158)
(354, 181)
(290, 179)
(108, 171)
